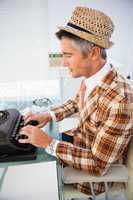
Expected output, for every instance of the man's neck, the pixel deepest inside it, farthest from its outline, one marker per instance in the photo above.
(96, 66)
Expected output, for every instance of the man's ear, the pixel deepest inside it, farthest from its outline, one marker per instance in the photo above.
(95, 53)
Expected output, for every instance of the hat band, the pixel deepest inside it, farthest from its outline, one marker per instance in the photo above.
(78, 28)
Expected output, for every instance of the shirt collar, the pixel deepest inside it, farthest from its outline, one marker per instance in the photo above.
(94, 80)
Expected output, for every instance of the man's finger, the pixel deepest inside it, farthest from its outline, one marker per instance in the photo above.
(27, 128)
(28, 119)
(22, 132)
(28, 115)
(24, 141)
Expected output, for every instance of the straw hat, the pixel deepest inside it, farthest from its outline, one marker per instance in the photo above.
(91, 25)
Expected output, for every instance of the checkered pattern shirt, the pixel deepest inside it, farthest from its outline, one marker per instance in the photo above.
(104, 130)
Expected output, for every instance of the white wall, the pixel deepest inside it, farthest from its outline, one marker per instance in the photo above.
(23, 40)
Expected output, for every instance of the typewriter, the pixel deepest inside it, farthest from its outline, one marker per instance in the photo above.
(11, 121)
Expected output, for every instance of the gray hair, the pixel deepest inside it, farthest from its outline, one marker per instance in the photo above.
(85, 47)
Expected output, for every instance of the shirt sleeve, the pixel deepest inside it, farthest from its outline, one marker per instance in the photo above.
(67, 109)
(51, 148)
(52, 115)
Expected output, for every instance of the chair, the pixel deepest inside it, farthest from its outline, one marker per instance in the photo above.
(117, 173)
(129, 163)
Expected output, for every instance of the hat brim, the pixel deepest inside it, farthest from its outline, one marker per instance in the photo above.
(102, 42)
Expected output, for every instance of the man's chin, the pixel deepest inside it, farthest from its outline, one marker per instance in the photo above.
(73, 75)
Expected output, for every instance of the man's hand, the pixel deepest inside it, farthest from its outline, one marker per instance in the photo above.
(36, 136)
(42, 119)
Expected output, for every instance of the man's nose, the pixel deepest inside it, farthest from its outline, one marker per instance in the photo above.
(65, 63)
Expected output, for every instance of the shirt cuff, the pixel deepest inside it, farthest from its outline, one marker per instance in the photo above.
(52, 115)
(51, 148)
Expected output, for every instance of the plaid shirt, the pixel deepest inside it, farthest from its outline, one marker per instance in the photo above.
(104, 130)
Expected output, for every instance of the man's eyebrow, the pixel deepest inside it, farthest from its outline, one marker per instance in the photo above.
(66, 53)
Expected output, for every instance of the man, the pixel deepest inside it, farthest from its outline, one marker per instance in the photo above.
(104, 101)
